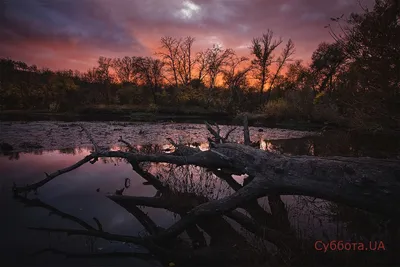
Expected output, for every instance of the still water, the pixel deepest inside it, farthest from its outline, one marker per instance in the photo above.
(82, 192)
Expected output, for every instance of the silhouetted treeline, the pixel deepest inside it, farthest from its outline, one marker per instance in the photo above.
(354, 80)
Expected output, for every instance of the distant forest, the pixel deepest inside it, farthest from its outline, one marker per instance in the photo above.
(354, 80)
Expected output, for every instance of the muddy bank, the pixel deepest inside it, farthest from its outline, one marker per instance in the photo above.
(22, 136)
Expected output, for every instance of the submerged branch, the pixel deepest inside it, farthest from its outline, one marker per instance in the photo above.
(38, 203)
(49, 177)
(96, 147)
(369, 184)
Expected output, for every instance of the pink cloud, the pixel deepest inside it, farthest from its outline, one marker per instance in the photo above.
(74, 34)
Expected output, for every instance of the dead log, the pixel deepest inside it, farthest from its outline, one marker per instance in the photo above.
(369, 184)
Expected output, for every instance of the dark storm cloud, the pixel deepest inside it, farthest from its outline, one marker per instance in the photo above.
(81, 22)
(78, 31)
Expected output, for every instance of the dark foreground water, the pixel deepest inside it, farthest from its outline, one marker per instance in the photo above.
(82, 192)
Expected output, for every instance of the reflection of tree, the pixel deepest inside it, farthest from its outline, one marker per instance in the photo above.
(180, 189)
(12, 155)
(37, 152)
(71, 151)
(114, 161)
(362, 225)
(336, 143)
(204, 209)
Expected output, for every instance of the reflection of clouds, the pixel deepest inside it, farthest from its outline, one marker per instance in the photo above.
(263, 145)
(117, 219)
(267, 146)
(240, 178)
(168, 148)
(204, 146)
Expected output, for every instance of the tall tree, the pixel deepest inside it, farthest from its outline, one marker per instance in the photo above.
(101, 76)
(285, 56)
(216, 60)
(262, 48)
(235, 78)
(371, 41)
(125, 69)
(185, 60)
(326, 62)
(170, 51)
(151, 73)
(201, 63)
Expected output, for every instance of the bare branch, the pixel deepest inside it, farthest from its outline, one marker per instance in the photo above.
(38, 203)
(217, 133)
(128, 145)
(150, 178)
(53, 175)
(218, 138)
(99, 225)
(96, 147)
(263, 48)
(228, 133)
(215, 207)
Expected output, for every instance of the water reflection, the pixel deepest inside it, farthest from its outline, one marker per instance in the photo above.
(327, 144)
(82, 193)
(336, 144)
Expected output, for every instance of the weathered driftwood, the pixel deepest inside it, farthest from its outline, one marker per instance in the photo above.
(370, 184)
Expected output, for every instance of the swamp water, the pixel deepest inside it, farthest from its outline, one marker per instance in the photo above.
(40, 147)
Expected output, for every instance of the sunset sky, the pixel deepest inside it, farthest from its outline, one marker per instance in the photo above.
(72, 34)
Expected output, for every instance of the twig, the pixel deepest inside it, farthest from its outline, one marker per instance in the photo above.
(96, 147)
(172, 142)
(202, 158)
(218, 129)
(215, 207)
(144, 219)
(217, 133)
(38, 203)
(218, 138)
(153, 180)
(53, 175)
(131, 148)
(99, 225)
(228, 133)
(227, 177)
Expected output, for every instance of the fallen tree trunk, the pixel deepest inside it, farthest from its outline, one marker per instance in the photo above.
(369, 184)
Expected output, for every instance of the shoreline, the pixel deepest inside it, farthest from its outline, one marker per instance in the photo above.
(160, 117)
